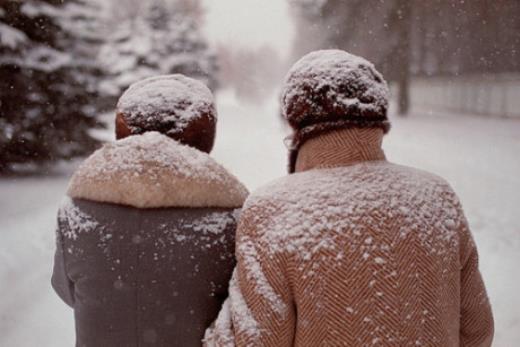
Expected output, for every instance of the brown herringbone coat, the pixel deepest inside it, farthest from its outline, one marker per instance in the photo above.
(354, 251)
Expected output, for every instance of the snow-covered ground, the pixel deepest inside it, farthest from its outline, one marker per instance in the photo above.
(478, 155)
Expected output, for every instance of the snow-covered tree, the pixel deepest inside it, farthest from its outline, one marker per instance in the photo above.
(48, 79)
(163, 37)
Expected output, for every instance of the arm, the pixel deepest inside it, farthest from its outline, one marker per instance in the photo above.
(476, 319)
(260, 309)
(61, 283)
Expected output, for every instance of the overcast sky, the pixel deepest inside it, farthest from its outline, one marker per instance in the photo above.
(250, 23)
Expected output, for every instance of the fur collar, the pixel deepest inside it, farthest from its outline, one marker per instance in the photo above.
(153, 171)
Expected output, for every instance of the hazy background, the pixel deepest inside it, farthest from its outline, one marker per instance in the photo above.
(63, 64)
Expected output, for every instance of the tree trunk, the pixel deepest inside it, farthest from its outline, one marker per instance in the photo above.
(404, 94)
(3, 166)
(403, 55)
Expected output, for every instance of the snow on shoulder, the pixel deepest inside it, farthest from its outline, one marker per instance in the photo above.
(165, 100)
(343, 83)
(305, 213)
(152, 170)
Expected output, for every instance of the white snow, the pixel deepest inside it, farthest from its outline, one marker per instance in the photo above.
(254, 273)
(41, 58)
(77, 220)
(244, 319)
(352, 200)
(131, 156)
(477, 155)
(214, 223)
(332, 71)
(234, 316)
(165, 100)
(11, 37)
(202, 231)
(40, 9)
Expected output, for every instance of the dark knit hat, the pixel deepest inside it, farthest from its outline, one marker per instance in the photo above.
(329, 90)
(175, 105)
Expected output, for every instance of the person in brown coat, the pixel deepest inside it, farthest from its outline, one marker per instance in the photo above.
(145, 238)
(350, 249)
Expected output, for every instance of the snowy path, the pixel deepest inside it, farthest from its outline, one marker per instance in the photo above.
(478, 156)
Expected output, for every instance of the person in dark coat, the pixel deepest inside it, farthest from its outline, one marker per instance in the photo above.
(145, 237)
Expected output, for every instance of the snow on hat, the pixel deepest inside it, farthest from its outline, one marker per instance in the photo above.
(330, 86)
(175, 105)
(329, 90)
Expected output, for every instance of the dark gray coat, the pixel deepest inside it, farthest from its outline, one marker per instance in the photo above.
(142, 276)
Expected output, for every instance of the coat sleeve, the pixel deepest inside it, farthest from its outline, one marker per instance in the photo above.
(60, 280)
(260, 310)
(476, 324)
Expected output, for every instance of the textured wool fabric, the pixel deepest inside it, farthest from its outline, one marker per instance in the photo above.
(354, 251)
(329, 90)
(300, 137)
(363, 143)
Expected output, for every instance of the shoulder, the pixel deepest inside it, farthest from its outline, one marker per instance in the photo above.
(151, 170)
(413, 175)
(313, 198)
(285, 210)
(73, 220)
(351, 180)
(423, 184)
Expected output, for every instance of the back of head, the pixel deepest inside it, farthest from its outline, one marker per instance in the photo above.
(177, 106)
(330, 86)
(332, 90)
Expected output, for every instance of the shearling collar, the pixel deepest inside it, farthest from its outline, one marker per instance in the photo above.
(154, 171)
(341, 148)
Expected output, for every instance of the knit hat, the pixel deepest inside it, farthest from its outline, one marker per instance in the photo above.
(175, 105)
(329, 90)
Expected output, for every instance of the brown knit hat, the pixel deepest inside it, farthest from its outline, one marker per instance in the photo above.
(175, 105)
(329, 90)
